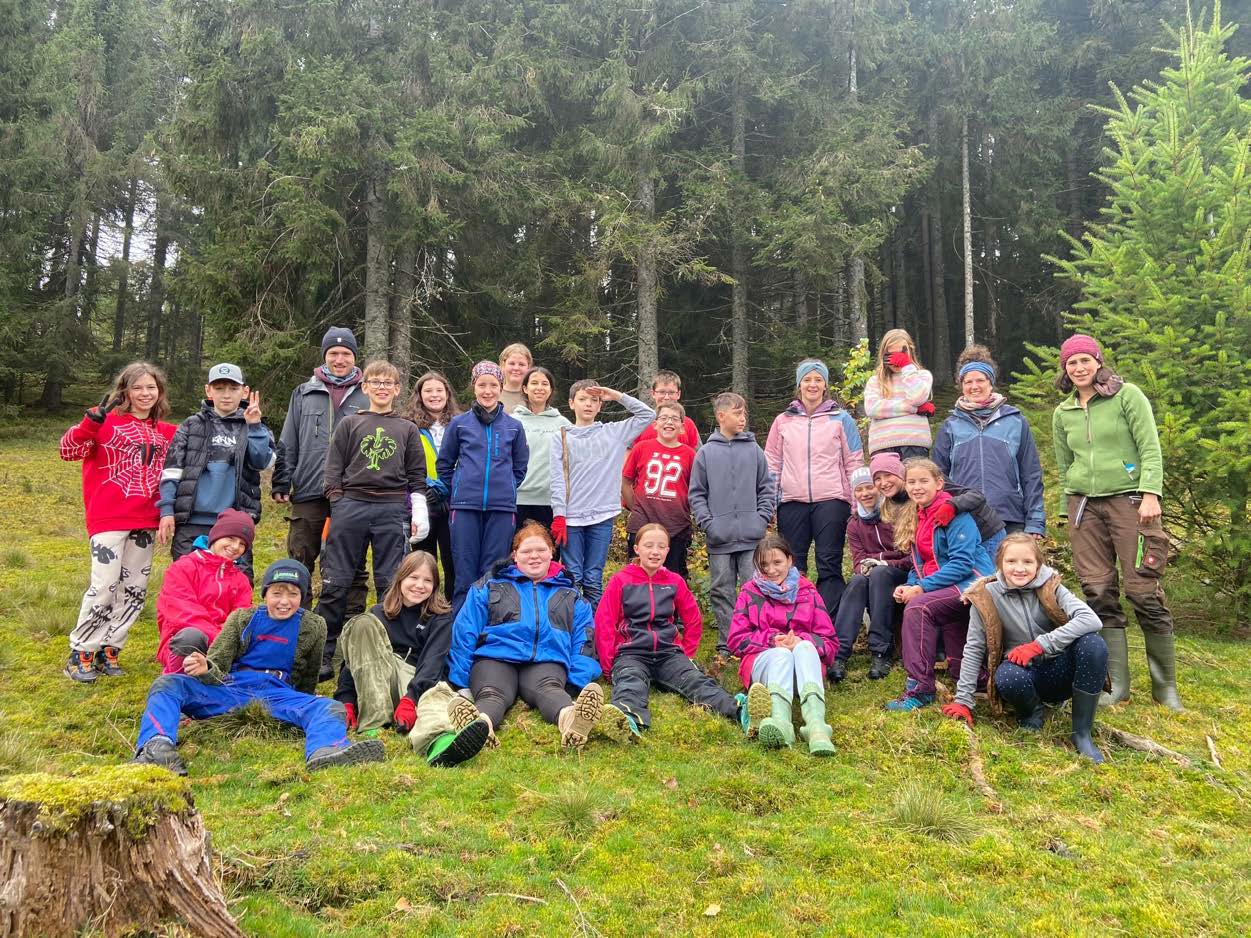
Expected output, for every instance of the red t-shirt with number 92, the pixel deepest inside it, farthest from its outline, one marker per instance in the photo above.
(661, 478)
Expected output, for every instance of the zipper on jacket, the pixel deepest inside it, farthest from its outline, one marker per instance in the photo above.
(486, 478)
(534, 591)
(808, 458)
(651, 622)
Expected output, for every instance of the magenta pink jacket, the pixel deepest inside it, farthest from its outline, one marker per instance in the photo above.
(199, 591)
(812, 456)
(758, 619)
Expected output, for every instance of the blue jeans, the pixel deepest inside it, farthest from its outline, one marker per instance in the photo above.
(585, 556)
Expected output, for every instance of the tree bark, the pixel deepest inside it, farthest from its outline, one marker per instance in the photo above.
(857, 307)
(377, 275)
(803, 311)
(942, 321)
(925, 322)
(402, 311)
(96, 875)
(966, 209)
(991, 251)
(91, 262)
(739, 372)
(123, 281)
(899, 273)
(649, 340)
(156, 288)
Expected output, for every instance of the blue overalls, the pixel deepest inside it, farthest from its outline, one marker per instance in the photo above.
(262, 672)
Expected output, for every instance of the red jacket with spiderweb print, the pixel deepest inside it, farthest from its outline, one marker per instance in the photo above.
(122, 461)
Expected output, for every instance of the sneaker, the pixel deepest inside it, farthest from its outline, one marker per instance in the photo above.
(758, 707)
(159, 750)
(837, 671)
(879, 668)
(81, 667)
(454, 748)
(618, 725)
(106, 661)
(910, 702)
(367, 750)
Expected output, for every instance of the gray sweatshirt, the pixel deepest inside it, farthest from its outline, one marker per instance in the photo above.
(597, 455)
(1024, 621)
(732, 492)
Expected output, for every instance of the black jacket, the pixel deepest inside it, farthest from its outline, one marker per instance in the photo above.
(422, 641)
(311, 419)
(188, 456)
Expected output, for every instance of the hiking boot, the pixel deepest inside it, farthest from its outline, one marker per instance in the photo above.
(159, 750)
(879, 668)
(454, 748)
(367, 750)
(619, 725)
(837, 671)
(909, 702)
(81, 667)
(578, 719)
(461, 712)
(756, 711)
(106, 661)
(326, 672)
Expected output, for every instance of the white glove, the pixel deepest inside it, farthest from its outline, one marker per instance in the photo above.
(421, 518)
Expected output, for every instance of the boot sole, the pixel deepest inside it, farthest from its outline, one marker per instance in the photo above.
(467, 744)
(78, 678)
(587, 710)
(368, 750)
(462, 712)
(759, 706)
(614, 724)
(771, 737)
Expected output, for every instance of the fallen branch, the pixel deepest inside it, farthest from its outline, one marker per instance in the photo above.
(584, 927)
(517, 895)
(979, 772)
(1216, 759)
(1143, 744)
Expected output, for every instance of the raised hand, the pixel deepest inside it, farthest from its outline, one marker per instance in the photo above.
(101, 410)
(253, 413)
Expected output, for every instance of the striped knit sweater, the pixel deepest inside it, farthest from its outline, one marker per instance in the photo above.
(893, 417)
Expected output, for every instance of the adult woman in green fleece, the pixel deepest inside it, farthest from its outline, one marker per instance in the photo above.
(1108, 455)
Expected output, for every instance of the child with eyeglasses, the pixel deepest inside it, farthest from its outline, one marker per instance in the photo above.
(655, 485)
(374, 464)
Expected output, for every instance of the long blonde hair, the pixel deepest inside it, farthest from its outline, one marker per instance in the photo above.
(905, 523)
(883, 372)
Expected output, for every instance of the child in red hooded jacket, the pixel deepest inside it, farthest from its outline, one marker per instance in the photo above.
(202, 588)
(640, 642)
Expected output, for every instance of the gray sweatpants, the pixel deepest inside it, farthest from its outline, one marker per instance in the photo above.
(727, 572)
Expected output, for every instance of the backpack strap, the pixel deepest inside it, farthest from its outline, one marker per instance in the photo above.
(564, 462)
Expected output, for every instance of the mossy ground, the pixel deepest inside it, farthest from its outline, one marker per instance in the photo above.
(693, 831)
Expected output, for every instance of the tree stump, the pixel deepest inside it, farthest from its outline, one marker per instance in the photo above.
(116, 849)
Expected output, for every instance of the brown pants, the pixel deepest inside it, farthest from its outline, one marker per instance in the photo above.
(1108, 533)
(304, 544)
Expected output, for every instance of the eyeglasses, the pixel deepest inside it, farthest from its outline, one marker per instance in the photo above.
(376, 383)
(668, 420)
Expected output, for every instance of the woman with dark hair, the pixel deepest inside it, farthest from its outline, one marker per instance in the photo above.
(431, 406)
(541, 421)
(122, 443)
(1109, 460)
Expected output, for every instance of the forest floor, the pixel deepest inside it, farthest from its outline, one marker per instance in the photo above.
(692, 831)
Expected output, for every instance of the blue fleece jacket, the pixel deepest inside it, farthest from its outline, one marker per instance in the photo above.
(960, 555)
(482, 460)
(506, 616)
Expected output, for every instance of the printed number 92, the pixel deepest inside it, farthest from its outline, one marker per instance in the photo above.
(660, 477)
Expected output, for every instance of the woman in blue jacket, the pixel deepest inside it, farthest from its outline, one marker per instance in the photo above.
(945, 559)
(986, 444)
(525, 631)
(482, 460)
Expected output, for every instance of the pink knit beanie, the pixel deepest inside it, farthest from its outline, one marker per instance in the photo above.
(1080, 344)
(886, 462)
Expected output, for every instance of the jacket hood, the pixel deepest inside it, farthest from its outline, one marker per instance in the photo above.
(718, 437)
(521, 410)
(1044, 574)
(207, 408)
(557, 575)
(1003, 410)
(825, 407)
(206, 558)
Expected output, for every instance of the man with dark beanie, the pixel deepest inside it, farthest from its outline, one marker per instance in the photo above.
(334, 391)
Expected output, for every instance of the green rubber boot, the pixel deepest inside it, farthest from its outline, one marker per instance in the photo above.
(815, 729)
(1118, 666)
(1162, 665)
(777, 730)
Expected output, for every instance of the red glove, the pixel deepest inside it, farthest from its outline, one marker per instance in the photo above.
(899, 359)
(405, 715)
(1024, 654)
(958, 711)
(926, 409)
(559, 532)
(944, 514)
(350, 715)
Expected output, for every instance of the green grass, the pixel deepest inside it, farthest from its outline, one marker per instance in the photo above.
(888, 837)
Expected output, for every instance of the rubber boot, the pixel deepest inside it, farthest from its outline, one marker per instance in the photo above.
(1084, 706)
(1118, 666)
(1030, 714)
(777, 730)
(1162, 665)
(815, 729)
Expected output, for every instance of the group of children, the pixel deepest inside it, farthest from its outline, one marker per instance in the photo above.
(516, 504)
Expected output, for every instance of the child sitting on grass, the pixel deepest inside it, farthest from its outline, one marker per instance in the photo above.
(270, 653)
(782, 631)
(639, 640)
(201, 589)
(1040, 643)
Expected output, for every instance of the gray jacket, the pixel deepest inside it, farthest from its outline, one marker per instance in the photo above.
(1024, 621)
(300, 469)
(596, 456)
(731, 492)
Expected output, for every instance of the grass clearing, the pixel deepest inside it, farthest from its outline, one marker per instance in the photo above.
(692, 830)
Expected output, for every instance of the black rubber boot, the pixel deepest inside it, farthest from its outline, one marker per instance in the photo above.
(1084, 706)
(160, 751)
(1030, 714)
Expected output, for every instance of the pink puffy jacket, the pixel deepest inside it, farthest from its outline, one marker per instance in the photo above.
(812, 455)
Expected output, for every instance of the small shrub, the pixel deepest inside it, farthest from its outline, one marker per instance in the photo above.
(573, 812)
(15, 559)
(924, 810)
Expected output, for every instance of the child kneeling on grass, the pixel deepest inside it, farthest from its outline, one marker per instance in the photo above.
(782, 631)
(637, 636)
(202, 588)
(270, 653)
(525, 631)
(1040, 643)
